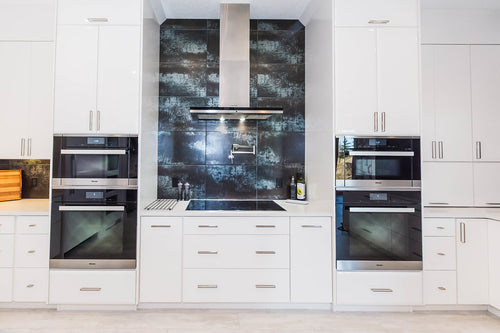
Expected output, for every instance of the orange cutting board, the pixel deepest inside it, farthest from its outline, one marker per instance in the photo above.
(11, 184)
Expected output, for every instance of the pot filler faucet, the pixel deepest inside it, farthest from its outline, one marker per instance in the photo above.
(240, 149)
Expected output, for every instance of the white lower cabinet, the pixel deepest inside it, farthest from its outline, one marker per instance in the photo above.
(6, 250)
(236, 285)
(32, 250)
(447, 184)
(440, 253)
(379, 288)
(92, 287)
(31, 284)
(161, 259)
(440, 287)
(5, 284)
(494, 262)
(311, 260)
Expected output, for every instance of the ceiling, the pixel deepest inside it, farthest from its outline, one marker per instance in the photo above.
(461, 4)
(209, 9)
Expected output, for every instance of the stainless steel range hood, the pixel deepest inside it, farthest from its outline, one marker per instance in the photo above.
(234, 75)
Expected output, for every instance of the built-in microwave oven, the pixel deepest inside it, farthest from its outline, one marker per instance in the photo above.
(372, 162)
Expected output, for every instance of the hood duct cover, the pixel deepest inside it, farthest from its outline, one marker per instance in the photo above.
(234, 75)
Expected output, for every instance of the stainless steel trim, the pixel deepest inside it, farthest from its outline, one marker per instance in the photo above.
(265, 252)
(438, 203)
(360, 265)
(97, 19)
(381, 290)
(208, 252)
(93, 152)
(160, 226)
(383, 121)
(441, 288)
(339, 183)
(375, 121)
(377, 183)
(311, 226)
(91, 208)
(478, 150)
(98, 120)
(93, 264)
(91, 120)
(379, 188)
(90, 289)
(493, 203)
(31, 251)
(381, 153)
(433, 149)
(31, 285)
(29, 146)
(56, 186)
(207, 286)
(441, 254)
(265, 226)
(380, 210)
(416, 183)
(23, 140)
(64, 182)
(265, 286)
(378, 21)
(441, 150)
(440, 228)
(462, 232)
(207, 226)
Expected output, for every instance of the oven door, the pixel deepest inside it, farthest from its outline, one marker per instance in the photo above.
(96, 233)
(378, 231)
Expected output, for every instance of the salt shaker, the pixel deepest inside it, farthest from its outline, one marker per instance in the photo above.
(187, 195)
(179, 191)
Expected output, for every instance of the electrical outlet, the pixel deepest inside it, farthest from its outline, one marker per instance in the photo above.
(175, 181)
(279, 182)
(34, 182)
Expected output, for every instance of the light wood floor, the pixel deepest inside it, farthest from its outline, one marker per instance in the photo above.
(244, 321)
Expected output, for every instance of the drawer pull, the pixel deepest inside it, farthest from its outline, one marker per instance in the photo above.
(32, 225)
(265, 286)
(160, 226)
(379, 21)
(440, 228)
(30, 286)
(208, 252)
(90, 289)
(97, 19)
(441, 254)
(207, 286)
(441, 288)
(265, 226)
(311, 226)
(207, 226)
(381, 290)
(31, 251)
(265, 252)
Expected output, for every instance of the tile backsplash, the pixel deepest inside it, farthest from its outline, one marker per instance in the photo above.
(36, 176)
(197, 151)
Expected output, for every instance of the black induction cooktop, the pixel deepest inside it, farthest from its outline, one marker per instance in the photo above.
(247, 205)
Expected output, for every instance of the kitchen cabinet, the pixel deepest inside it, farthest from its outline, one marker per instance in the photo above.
(447, 184)
(485, 78)
(446, 103)
(26, 99)
(161, 259)
(311, 260)
(472, 261)
(376, 12)
(486, 184)
(27, 20)
(97, 79)
(377, 81)
(109, 12)
(494, 260)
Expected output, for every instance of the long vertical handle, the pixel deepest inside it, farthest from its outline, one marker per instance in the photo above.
(375, 121)
(91, 120)
(29, 146)
(478, 150)
(383, 121)
(98, 120)
(441, 150)
(433, 150)
(462, 233)
(22, 146)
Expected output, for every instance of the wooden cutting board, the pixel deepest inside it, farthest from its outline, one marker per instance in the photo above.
(11, 184)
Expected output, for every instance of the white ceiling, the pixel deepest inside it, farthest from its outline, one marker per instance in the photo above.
(462, 4)
(209, 9)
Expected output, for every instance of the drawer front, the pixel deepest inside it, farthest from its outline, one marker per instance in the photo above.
(92, 287)
(439, 227)
(440, 287)
(440, 253)
(361, 13)
(5, 284)
(7, 224)
(31, 284)
(239, 285)
(6, 250)
(32, 251)
(379, 288)
(236, 251)
(114, 12)
(236, 225)
(32, 225)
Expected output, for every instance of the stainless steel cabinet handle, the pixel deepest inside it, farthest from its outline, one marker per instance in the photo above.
(90, 289)
(98, 120)
(207, 286)
(441, 254)
(30, 285)
(207, 226)
(440, 228)
(380, 210)
(462, 233)
(22, 146)
(29, 146)
(375, 121)
(265, 286)
(160, 226)
(438, 203)
(265, 226)
(433, 149)
(381, 290)
(379, 21)
(32, 225)
(31, 251)
(208, 252)
(441, 150)
(97, 19)
(265, 252)
(93, 152)
(91, 120)
(311, 226)
(441, 288)
(92, 208)
(478, 150)
(383, 121)
(493, 203)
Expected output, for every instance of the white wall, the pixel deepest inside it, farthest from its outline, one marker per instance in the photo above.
(319, 135)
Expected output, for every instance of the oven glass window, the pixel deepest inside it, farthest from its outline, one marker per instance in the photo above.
(94, 166)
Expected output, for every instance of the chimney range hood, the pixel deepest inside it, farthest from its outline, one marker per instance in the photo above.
(234, 75)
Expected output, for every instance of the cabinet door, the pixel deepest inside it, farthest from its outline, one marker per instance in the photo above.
(356, 81)
(429, 91)
(368, 12)
(14, 74)
(39, 133)
(398, 81)
(107, 12)
(485, 70)
(486, 184)
(75, 79)
(5, 284)
(472, 261)
(118, 80)
(494, 259)
(311, 260)
(447, 184)
(161, 259)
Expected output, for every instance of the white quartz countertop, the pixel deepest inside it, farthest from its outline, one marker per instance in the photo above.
(317, 208)
(463, 212)
(25, 207)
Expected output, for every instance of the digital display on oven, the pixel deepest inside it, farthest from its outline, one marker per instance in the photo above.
(378, 196)
(96, 141)
(94, 195)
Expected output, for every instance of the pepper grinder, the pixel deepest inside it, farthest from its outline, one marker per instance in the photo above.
(179, 191)
(187, 195)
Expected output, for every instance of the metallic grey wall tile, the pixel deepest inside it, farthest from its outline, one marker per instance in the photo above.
(35, 176)
(169, 175)
(181, 148)
(231, 181)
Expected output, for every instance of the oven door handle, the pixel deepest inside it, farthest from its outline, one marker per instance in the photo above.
(381, 153)
(380, 210)
(92, 208)
(93, 152)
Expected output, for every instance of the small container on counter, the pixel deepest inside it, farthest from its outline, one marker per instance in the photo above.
(187, 193)
(179, 191)
(293, 189)
(301, 187)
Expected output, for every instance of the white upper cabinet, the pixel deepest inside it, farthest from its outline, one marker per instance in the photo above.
(27, 20)
(115, 12)
(485, 70)
(446, 103)
(376, 12)
(447, 184)
(486, 184)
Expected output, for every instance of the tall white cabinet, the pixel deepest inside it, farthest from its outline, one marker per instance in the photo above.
(377, 68)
